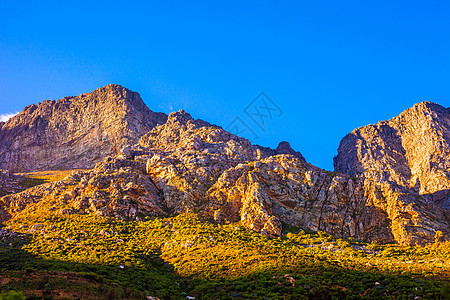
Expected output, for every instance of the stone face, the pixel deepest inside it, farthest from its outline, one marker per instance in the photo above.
(283, 188)
(411, 153)
(202, 168)
(75, 132)
(186, 156)
(411, 150)
(282, 148)
(285, 148)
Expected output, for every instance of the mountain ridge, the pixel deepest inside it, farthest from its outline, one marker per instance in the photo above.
(183, 165)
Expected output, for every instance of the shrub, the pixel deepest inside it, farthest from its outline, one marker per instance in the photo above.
(12, 295)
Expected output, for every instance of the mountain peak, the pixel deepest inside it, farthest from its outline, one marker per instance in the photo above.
(179, 116)
(89, 127)
(425, 107)
(410, 149)
(285, 148)
(182, 164)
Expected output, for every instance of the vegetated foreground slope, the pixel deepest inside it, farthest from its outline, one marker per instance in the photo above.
(93, 257)
(74, 132)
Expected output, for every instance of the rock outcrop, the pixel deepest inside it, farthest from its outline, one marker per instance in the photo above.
(186, 157)
(114, 188)
(282, 188)
(182, 160)
(75, 132)
(201, 168)
(411, 150)
(282, 148)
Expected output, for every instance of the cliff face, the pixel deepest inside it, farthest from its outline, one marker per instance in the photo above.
(411, 150)
(283, 188)
(186, 157)
(75, 132)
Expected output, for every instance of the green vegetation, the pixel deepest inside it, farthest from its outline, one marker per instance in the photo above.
(12, 295)
(38, 178)
(87, 256)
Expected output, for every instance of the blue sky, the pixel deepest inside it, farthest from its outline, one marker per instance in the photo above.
(329, 66)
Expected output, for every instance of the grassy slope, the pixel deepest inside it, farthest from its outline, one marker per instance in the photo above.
(36, 178)
(182, 256)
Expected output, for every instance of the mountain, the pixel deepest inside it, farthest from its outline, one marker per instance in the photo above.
(411, 150)
(160, 165)
(75, 132)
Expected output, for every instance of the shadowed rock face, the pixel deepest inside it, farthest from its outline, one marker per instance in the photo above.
(282, 148)
(11, 183)
(74, 132)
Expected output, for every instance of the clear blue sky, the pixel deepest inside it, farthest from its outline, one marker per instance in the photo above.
(330, 66)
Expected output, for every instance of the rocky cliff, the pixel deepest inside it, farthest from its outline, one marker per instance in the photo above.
(75, 132)
(411, 150)
(186, 157)
(387, 189)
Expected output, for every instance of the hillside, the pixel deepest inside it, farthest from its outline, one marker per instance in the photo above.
(182, 202)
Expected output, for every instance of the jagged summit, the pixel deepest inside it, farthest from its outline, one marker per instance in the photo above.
(78, 131)
(412, 149)
(285, 148)
(426, 106)
(75, 132)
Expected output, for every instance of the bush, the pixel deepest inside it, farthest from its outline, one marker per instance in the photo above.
(12, 295)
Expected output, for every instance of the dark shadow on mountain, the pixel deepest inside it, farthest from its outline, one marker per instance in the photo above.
(50, 279)
(441, 198)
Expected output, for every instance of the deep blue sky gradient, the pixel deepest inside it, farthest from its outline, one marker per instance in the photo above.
(330, 66)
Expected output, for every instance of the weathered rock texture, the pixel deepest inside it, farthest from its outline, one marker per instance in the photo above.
(186, 157)
(412, 149)
(392, 192)
(75, 132)
(202, 168)
(286, 189)
(282, 148)
(114, 188)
